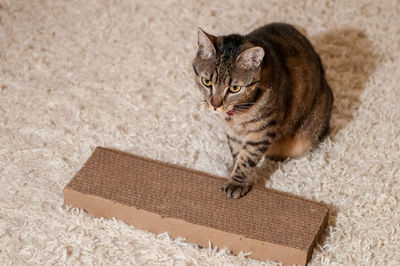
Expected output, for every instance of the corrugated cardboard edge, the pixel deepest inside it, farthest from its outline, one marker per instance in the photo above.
(324, 223)
(194, 233)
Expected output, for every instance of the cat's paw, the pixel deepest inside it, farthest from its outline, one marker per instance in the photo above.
(236, 190)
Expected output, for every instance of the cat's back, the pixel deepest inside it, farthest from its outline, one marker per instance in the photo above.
(276, 28)
(284, 39)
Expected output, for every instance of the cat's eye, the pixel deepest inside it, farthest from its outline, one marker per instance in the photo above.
(235, 88)
(206, 82)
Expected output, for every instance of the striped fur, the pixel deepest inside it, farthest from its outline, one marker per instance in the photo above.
(284, 105)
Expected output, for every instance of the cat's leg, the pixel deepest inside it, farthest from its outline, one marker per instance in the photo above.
(313, 128)
(290, 147)
(235, 145)
(241, 178)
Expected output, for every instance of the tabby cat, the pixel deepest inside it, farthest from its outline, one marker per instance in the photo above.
(269, 89)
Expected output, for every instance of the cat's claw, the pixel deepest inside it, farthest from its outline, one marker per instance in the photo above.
(235, 190)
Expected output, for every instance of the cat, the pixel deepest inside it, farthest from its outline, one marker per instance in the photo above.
(270, 91)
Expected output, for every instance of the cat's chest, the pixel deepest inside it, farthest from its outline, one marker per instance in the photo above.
(234, 127)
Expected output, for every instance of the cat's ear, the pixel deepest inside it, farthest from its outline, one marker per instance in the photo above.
(206, 44)
(250, 58)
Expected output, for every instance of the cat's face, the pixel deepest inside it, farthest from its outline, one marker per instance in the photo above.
(227, 70)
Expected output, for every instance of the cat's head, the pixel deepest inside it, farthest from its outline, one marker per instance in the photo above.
(227, 70)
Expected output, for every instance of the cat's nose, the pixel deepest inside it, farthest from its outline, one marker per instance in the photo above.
(216, 101)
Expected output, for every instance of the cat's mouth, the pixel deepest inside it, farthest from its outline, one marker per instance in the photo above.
(230, 113)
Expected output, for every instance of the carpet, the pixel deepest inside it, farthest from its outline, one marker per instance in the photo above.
(79, 74)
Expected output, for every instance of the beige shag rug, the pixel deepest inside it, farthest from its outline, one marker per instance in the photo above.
(78, 74)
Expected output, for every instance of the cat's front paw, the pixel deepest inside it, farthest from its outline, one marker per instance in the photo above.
(236, 190)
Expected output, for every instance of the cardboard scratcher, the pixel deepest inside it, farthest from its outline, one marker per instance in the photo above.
(161, 197)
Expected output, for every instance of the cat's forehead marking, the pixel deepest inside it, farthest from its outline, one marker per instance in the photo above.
(222, 72)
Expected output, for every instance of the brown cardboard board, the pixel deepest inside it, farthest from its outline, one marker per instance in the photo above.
(161, 197)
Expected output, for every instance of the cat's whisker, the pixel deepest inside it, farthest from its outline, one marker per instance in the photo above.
(246, 103)
(243, 105)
